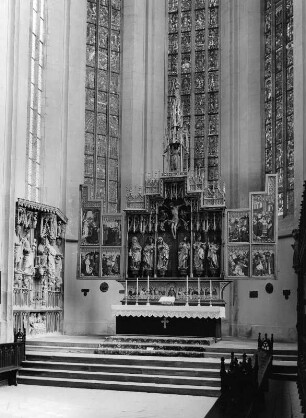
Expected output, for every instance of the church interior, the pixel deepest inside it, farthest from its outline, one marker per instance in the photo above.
(153, 166)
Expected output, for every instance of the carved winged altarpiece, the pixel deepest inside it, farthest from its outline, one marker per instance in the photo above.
(180, 248)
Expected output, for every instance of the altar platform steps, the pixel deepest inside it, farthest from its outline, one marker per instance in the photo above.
(155, 346)
(133, 373)
(159, 364)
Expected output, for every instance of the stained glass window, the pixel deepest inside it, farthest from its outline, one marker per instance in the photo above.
(278, 97)
(193, 60)
(35, 109)
(102, 115)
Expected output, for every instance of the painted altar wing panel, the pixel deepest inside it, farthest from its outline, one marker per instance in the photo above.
(90, 226)
(263, 261)
(110, 262)
(238, 261)
(238, 226)
(111, 230)
(89, 262)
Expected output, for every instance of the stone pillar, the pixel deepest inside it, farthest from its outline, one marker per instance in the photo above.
(299, 54)
(133, 92)
(241, 145)
(56, 75)
(155, 87)
(13, 37)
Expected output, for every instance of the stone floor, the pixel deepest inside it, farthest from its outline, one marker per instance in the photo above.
(53, 402)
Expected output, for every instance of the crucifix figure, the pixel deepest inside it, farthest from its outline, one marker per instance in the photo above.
(164, 321)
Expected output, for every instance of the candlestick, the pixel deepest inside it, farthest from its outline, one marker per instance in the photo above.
(148, 291)
(187, 290)
(137, 291)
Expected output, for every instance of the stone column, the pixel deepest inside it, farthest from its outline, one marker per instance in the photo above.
(133, 69)
(12, 33)
(299, 53)
(241, 143)
(155, 87)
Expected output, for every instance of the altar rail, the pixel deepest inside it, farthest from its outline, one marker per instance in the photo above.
(243, 384)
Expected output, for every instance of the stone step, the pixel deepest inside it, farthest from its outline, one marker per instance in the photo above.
(121, 377)
(132, 369)
(126, 338)
(151, 341)
(284, 367)
(292, 377)
(60, 348)
(166, 346)
(125, 386)
(148, 352)
(123, 360)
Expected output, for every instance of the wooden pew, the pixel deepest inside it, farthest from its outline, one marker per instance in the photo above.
(244, 383)
(11, 357)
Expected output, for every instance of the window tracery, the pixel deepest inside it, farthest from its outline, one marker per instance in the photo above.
(35, 112)
(102, 115)
(193, 60)
(278, 98)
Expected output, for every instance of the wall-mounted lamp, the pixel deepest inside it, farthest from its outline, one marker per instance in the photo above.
(85, 291)
(286, 293)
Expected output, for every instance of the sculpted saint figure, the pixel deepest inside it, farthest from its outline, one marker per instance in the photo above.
(58, 260)
(135, 254)
(198, 253)
(28, 256)
(148, 253)
(162, 254)
(18, 250)
(51, 257)
(183, 254)
(212, 255)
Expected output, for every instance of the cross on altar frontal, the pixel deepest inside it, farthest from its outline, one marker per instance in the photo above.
(164, 321)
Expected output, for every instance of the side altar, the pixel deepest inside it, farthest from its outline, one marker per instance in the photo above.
(174, 264)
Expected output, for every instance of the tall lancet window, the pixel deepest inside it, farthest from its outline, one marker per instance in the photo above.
(102, 118)
(194, 61)
(35, 128)
(278, 79)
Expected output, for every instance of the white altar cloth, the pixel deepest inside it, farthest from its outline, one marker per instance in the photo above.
(159, 311)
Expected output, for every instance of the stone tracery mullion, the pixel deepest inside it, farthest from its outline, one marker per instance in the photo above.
(197, 74)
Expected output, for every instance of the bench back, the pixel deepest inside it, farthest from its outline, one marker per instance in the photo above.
(12, 354)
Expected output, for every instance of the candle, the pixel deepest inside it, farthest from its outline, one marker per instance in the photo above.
(210, 290)
(187, 285)
(199, 291)
(137, 291)
(187, 290)
(148, 287)
(126, 291)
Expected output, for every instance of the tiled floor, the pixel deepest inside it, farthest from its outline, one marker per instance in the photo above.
(51, 402)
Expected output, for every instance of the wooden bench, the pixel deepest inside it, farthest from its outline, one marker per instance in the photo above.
(243, 384)
(11, 357)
